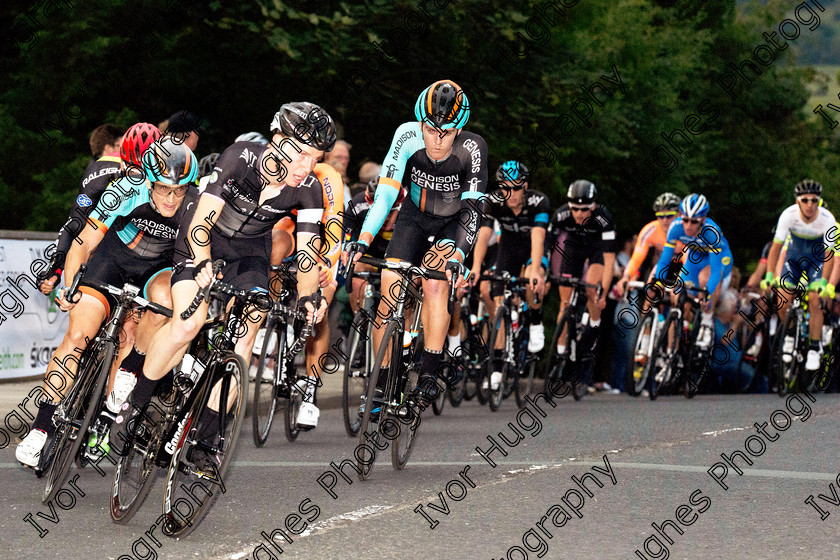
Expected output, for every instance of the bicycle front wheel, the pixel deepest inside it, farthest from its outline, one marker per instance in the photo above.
(356, 372)
(267, 380)
(499, 333)
(639, 366)
(201, 458)
(663, 359)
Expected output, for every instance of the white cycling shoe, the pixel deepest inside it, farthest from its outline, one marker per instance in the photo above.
(124, 383)
(812, 362)
(308, 415)
(536, 338)
(29, 449)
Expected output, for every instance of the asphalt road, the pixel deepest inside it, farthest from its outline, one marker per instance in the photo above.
(645, 461)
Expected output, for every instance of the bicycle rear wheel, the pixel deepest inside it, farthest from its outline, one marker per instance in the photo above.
(639, 366)
(267, 380)
(201, 460)
(354, 385)
(82, 404)
(557, 361)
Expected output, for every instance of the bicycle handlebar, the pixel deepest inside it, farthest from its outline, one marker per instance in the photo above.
(409, 270)
(141, 302)
(203, 293)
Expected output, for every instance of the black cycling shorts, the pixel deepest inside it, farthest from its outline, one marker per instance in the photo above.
(570, 258)
(114, 263)
(415, 232)
(246, 260)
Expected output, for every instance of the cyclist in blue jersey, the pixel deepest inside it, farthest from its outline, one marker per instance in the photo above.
(708, 260)
(812, 232)
(130, 237)
(444, 169)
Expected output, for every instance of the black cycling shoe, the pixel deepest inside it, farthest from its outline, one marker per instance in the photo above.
(426, 392)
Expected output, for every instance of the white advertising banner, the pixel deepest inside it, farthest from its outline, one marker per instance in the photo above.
(31, 325)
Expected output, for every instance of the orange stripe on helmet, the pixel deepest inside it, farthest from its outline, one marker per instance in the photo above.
(429, 95)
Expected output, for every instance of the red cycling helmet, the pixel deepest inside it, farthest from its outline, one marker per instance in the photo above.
(137, 140)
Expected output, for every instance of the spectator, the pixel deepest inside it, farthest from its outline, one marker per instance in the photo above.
(105, 140)
(185, 126)
(725, 376)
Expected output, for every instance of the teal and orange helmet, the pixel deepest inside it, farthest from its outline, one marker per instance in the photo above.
(170, 163)
(443, 105)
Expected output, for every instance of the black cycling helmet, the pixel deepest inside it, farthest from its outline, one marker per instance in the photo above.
(582, 192)
(307, 123)
(207, 163)
(512, 171)
(169, 162)
(808, 186)
(666, 201)
(443, 105)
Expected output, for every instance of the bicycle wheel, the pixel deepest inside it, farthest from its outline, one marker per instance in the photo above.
(524, 383)
(437, 404)
(292, 406)
(196, 472)
(557, 361)
(369, 430)
(663, 358)
(496, 330)
(786, 370)
(404, 429)
(638, 368)
(696, 368)
(580, 385)
(267, 380)
(749, 357)
(354, 385)
(81, 405)
(136, 471)
(458, 382)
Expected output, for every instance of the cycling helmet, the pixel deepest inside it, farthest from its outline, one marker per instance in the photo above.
(512, 171)
(252, 137)
(443, 105)
(307, 123)
(666, 201)
(582, 192)
(207, 163)
(694, 206)
(808, 186)
(370, 191)
(170, 163)
(137, 140)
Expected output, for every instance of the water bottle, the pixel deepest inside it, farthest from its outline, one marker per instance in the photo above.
(514, 320)
(827, 331)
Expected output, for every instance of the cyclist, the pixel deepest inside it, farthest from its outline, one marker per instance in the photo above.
(810, 252)
(582, 230)
(523, 216)
(130, 237)
(252, 137)
(98, 175)
(251, 189)
(708, 262)
(444, 169)
(283, 246)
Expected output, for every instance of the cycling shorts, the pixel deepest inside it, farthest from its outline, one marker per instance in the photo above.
(246, 260)
(416, 232)
(570, 257)
(800, 259)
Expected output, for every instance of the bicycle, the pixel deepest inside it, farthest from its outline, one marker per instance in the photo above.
(572, 321)
(281, 382)
(78, 415)
(402, 371)
(757, 341)
(677, 356)
(215, 370)
(474, 355)
(789, 372)
(518, 363)
(643, 343)
(359, 359)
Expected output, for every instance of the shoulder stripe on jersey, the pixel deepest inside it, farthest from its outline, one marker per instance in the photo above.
(311, 215)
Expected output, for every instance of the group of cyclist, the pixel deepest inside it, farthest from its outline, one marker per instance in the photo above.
(263, 201)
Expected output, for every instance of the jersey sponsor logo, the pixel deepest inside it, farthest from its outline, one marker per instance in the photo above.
(725, 261)
(534, 200)
(83, 200)
(328, 190)
(154, 228)
(170, 445)
(475, 154)
(444, 183)
(474, 183)
(100, 173)
(400, 141)
(249, 156)
(391, 170)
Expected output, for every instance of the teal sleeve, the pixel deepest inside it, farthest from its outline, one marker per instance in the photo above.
(119, 199)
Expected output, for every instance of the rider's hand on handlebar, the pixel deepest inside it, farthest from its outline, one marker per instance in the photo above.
(768, 282)
(454, 266)
(48, 284)
(475, 273)
(64, 303)
(358, 248)
(203, 275)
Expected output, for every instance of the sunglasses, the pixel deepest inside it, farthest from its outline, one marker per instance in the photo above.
(165, 190)
(580, 208)
(511, 187)
(805, 200)
(665, 214)
(692, 220)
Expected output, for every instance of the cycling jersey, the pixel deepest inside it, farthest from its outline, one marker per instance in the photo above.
(332, 220)
(569, 245)
(356, 212)
(237, 181)
(241, 234)
(438, 189)
(97, 177)
(806, 243)
(708, 248)
(652, 236)
(515, 240)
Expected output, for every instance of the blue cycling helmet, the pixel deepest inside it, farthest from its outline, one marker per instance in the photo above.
(512, 171)
(170, 163)
(443, 105)
(694, 206)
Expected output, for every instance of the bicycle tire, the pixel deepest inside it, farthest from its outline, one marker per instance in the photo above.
(787, 370)
(696, 368)
(354, 384)
(638, 370)
(468, 355)
(495, 395)
(663, 357)
(366, 455)
(557, 362)
(403, 444)
(84, 406)
(580, 386)
(744, 359)
(456, 390)
(178, 475)
(140, 459)
(291, 406)
(265, 390)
